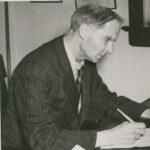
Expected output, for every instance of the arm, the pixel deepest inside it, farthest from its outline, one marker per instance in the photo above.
(31, 88)
(105, 102)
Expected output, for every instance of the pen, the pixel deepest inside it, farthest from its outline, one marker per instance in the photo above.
(125, 115)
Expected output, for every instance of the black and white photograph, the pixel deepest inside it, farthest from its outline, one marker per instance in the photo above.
(75, 75)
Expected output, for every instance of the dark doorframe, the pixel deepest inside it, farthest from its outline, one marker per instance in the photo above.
(8, 54)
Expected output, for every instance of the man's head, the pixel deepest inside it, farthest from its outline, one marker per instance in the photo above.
(93, 14)
(98, 28)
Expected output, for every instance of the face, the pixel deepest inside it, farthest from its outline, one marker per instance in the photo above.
(96, 42)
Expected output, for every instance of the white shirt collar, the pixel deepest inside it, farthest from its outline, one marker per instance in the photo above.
(74, 64)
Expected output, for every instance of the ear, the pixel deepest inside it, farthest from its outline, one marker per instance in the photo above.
(83, 30)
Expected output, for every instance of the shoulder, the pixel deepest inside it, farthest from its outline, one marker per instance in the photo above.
(43, 58)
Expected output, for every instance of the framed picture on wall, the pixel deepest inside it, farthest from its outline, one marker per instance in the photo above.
(46, 1)
(107, 3)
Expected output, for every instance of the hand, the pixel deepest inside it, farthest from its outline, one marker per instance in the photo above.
(125, 133)
(146, 114)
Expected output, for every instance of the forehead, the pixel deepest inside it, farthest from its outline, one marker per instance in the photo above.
(110, 29)
(112, 26)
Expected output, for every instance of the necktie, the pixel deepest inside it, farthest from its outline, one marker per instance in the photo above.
(79, 87)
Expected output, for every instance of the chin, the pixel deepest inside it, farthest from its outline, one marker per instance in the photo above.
(94, 61)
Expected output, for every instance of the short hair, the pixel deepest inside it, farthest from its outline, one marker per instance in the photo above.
(93, 14)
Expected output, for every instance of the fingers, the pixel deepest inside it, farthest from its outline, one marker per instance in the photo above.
(137, 136)
(140, 131)
(139, 125)
(137, 128)
(135, 131)
(127, 133)
(131, 138)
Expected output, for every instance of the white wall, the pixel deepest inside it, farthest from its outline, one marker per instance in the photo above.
(32, 24)
(2, 32)
(125, 71)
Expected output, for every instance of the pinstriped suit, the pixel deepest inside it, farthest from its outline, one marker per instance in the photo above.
(41, 113)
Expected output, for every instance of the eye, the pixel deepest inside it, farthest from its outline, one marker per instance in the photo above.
(107, 38)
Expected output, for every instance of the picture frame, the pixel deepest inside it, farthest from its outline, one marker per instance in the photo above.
(139, 35)
(107, 3)
(47, 1)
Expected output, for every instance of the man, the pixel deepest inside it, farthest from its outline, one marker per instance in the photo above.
(46, 110)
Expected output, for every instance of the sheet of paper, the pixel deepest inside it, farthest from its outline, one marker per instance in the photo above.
(78, 147)
(142, 142)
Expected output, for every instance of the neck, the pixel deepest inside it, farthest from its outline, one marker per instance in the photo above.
(72, 43)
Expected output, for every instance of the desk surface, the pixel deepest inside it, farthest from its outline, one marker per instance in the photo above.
(135, 148)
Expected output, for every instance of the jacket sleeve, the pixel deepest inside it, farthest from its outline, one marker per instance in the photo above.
(30, 90)
(105, 102)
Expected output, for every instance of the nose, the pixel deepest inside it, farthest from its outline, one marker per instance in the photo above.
(110, 46)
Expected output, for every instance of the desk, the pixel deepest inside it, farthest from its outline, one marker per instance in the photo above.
(135, 148)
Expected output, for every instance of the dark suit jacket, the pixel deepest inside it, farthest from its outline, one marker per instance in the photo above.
(42, 111)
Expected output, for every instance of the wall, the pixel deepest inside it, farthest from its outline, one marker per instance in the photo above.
(125, 71)
(2, 32)
(32, 24)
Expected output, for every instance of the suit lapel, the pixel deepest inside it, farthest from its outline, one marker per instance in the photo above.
(66, 72)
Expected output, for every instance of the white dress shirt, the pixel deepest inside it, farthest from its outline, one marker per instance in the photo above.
(75, 67)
